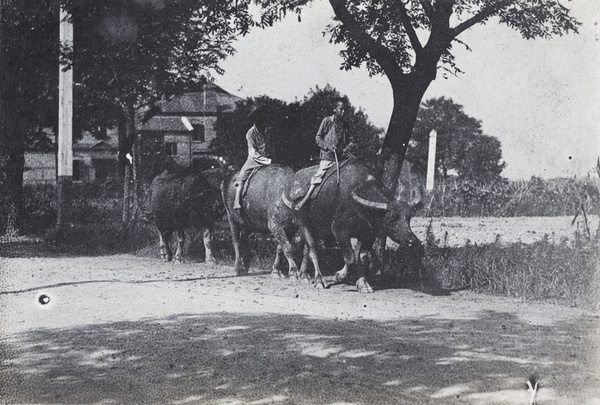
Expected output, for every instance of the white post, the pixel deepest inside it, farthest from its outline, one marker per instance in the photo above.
(65, 126)
(431, 160)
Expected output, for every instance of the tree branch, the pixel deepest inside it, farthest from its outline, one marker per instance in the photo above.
(476, 19)
(426, 4)
(410, 31)
(380, 53)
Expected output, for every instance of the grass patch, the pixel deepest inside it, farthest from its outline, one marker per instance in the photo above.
(543, 271)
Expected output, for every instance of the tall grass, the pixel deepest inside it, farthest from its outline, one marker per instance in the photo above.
(562, 273)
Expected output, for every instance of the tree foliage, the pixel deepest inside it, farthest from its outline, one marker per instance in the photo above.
(292, 129)
(131, 54)
(28, 99)
(127, 54)
(461, 148)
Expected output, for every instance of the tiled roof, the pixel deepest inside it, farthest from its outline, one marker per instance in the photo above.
(195, 103)
(189, 103)
(162, 123)
(88, 142)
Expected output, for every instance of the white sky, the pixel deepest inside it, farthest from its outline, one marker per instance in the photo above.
(540, 98)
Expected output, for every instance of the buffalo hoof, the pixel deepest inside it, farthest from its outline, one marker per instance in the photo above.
(320, 283)
(340, 276)
(363, 286)
(210, 261)
(276, 274)
(304, 280)
(240, 271)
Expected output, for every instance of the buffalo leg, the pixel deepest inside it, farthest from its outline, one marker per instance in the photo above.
(304, 265)
(285, 245)
(350, 259)
(180, 242)
(207, 238)
(312, 254)
(343, 239)
(236, 240)
(164, 238)
(362, 265)
(245, 251)
(277, 262)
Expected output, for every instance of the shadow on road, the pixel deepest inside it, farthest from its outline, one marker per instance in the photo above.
(226, 358)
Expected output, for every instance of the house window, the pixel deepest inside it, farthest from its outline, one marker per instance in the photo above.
(171, 148)
(198, 133)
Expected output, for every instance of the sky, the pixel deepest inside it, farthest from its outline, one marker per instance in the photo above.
(540, 98)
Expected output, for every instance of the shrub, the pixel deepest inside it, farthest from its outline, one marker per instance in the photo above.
(39, 208)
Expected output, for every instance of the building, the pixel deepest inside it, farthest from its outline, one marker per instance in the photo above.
(96, 160)
(186, 125)
(93, 160)
(40, 168)
(183, 129)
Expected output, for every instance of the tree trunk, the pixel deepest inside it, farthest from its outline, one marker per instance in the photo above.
(126, 147)
(12, 159)
(11, 192)
(408, 92)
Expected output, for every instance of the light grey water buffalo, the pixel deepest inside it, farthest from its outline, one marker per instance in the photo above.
(355, 206)
(263, 211)
(184, 198)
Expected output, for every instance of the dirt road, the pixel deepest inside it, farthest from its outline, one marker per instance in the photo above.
(132, 330)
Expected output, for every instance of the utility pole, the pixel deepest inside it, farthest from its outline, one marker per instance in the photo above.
(431, 160)
(65, 129)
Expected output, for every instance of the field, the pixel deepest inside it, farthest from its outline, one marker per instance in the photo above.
(456, 232)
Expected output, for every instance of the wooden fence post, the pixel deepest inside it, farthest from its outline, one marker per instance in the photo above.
(431, 160)
(65, 130)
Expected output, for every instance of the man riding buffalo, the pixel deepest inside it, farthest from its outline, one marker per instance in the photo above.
(258, 145)
(335, 141)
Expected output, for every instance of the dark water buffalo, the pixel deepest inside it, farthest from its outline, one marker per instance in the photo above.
(184, 198)
(263, 211)
(355, 208)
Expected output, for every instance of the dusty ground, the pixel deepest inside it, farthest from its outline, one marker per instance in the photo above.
(126, 329)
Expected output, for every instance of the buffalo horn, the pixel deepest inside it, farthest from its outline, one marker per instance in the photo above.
(370, 204)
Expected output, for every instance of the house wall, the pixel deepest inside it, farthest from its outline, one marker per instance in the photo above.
(199, 108)
(40, 168)
(210, 133)
(87, 162)
(182, 142)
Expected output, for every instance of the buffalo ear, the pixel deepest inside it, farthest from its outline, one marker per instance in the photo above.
(410, 193)
(416, 202)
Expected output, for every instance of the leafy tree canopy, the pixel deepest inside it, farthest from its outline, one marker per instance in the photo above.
(461, 145)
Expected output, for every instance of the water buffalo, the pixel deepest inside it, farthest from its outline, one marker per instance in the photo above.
(355, 207)
(183, 198)
(263, 211)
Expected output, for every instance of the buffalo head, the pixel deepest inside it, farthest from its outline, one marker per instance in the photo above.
(396, 214)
